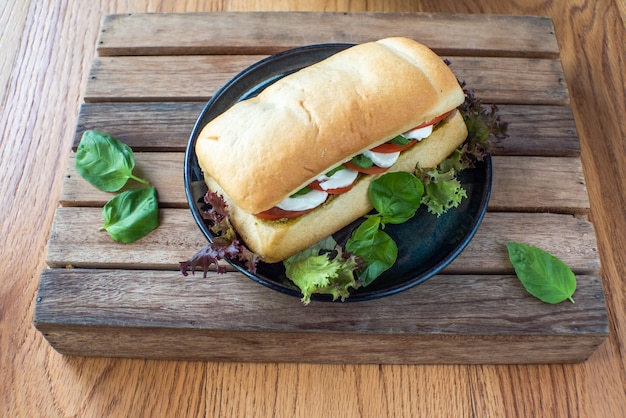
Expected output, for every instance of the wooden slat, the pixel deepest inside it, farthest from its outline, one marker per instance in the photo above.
(76, 241)
(164, 170)
(572, 238)
(209, 33)
(547, 131)
(166, 126)
(197, 78)
(176, 78)
(147, 126)
(519, 183)
(539, 184)
(469, 319)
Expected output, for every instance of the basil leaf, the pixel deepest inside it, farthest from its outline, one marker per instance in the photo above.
(543, 275)
(362, 161)
(131, 214)
(301, 192)
(105, 162)
(400, 140)
(336, 169)
(374, 246)
(396, 196)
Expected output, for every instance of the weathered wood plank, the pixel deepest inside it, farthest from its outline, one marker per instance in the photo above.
(76, 241)
(539, 184)
(548, 131)
(468, 319)
(164, 170)
(572, 238)
(144, 126)
(166, 126)
(336, 348)
(519, 183)
(197, 78)
(212, 33)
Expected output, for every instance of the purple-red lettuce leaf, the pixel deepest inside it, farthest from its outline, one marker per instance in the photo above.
(225, 245)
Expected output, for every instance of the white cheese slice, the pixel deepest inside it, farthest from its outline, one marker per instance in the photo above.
(341, 178)
(419, 133)
(382, 159)
(310, 200)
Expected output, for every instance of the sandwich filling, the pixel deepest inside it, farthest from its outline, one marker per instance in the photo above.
(342, 178)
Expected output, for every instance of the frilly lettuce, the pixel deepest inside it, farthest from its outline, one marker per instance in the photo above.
(323, 269)
(442, 190)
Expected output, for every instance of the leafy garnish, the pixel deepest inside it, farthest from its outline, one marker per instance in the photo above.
(543, 275)
(105, 162)
(395, 197)
(442, 193)
(131, 214)
(369, 251)
(225, 245)
(323, 269)
(485, 129)
(374, 246)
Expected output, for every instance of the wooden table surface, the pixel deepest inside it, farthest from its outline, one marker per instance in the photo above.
(47, 50)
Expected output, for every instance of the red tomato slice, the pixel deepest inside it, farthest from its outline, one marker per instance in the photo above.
(316, 186)
(389, 147)
(372, 170)
(278, 213)
(432, 122)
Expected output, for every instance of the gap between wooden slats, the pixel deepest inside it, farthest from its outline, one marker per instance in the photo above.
(76, 241)
(526, 184)
(196, 78)
(166, 126)
(272, 32)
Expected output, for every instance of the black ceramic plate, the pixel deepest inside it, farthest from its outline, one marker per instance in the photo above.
(426, 243)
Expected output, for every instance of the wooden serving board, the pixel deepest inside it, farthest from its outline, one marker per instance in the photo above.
(151, 78)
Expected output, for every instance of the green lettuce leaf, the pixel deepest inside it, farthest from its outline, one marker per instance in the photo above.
(442, 190)
(441, 195)
(322, 269)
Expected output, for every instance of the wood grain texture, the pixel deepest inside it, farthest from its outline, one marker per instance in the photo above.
(157, 126)
(444, 316)
(153, 34)
(166, 126)
(495, 80)
(75, 240)
(39, 110)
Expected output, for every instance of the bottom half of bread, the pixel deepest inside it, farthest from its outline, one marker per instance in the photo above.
(276, 240)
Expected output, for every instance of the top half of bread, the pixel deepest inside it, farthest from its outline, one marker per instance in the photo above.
(265, 148)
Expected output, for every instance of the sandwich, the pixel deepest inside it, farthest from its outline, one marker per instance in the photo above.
(294, 163)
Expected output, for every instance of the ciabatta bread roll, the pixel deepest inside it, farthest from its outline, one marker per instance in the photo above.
(266, 148)
(277, 240)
